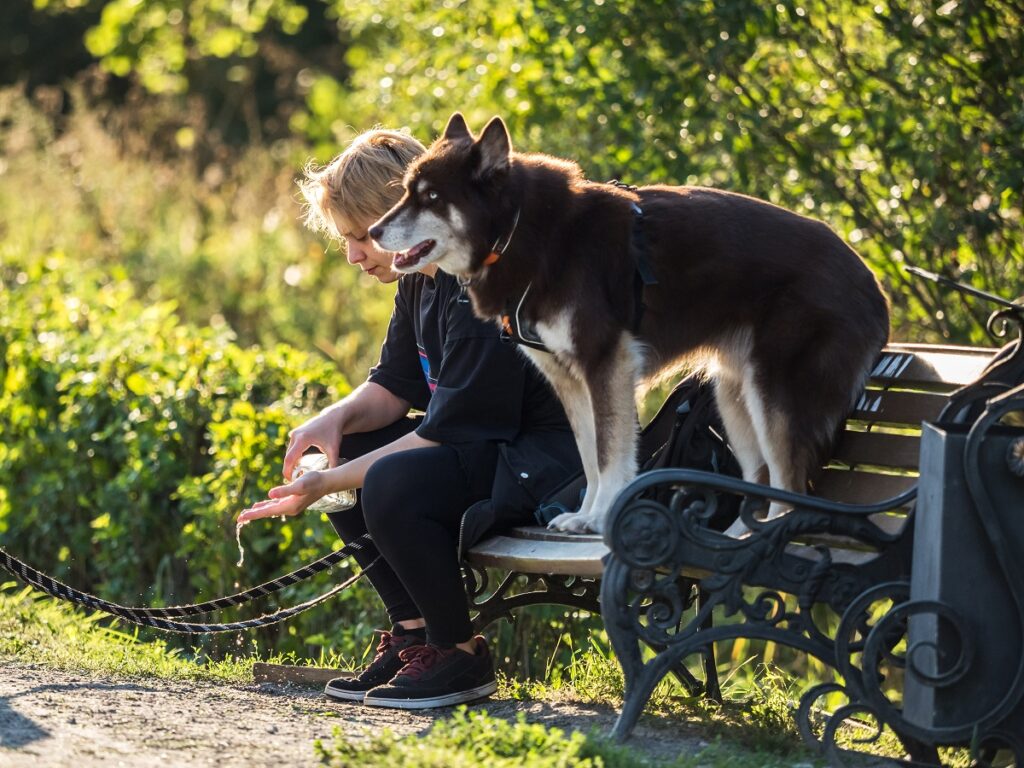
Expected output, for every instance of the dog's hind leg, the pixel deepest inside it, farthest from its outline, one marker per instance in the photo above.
(611, 382)
(775, 438)
(739, 429)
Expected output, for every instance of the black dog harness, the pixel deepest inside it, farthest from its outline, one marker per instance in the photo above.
(516, 330)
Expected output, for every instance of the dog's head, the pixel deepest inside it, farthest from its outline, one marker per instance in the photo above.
(453, 208)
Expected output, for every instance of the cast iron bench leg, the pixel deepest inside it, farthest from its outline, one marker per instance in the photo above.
(641, 678)
(709, 688)
(712, 690)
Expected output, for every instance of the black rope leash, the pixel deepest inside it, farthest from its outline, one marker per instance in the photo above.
(158, 617)
(48, 584)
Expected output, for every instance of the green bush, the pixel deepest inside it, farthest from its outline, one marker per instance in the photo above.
(129, 441)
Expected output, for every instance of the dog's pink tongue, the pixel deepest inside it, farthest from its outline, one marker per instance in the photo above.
(405, 259)
(411, 256)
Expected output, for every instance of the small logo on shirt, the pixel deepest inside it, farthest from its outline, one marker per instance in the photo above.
(425, 365)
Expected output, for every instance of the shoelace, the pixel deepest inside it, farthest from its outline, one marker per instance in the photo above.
(419, 659)
(387, 640)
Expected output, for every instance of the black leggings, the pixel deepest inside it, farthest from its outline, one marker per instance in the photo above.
(412, 503)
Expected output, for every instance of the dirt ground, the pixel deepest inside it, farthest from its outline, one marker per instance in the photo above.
(54, 718)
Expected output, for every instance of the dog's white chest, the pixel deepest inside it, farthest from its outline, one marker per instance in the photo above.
(556, 334)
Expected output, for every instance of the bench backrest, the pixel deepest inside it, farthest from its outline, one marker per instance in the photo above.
(877, 454)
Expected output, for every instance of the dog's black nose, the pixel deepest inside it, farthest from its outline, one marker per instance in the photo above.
(376, 232)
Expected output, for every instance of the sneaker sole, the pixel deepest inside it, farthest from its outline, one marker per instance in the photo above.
(435, 701)
(334, 693)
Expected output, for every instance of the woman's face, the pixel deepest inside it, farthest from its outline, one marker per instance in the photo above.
(364, 254)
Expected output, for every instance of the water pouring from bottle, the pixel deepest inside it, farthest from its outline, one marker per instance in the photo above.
(331, 502)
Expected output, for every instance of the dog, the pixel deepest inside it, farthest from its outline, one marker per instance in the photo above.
(784, 316)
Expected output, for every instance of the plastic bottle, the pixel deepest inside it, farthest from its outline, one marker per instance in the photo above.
(332, 502)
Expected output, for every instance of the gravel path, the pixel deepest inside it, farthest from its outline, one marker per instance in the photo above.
(55, 718)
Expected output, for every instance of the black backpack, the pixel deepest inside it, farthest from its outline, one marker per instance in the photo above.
(687, 432)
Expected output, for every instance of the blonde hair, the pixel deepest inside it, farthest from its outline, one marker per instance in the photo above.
(361, 184)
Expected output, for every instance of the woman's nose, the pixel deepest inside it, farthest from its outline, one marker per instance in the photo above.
(355, 255)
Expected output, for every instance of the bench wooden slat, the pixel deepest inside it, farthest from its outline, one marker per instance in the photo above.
(892, 524)
(525, 551)
(852, 487)
(878, 449)
(537, 533)
(942, 367)
(887, 407)
(513, 552)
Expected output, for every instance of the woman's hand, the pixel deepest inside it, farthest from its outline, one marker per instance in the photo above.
(288, 500)
(323, 431)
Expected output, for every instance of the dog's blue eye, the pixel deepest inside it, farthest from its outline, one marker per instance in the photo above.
(432, 196)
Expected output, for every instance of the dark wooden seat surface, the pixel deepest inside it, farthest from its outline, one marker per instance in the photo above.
(875, 459)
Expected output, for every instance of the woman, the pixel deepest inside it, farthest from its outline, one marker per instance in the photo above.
(492, 437)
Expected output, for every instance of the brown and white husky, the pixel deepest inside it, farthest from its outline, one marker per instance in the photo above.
(786, 317)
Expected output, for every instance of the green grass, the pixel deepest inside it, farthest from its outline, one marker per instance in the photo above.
(757, 715)
(473, 738)
(39, 630)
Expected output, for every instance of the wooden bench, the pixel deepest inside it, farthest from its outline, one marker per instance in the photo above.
(852, 535)
(875, 459)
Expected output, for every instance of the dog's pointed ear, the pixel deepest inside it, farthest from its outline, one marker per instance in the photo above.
(493, 150)
(457, 128)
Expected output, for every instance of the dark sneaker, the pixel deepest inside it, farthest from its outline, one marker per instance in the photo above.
(385, 664)
(437, 677)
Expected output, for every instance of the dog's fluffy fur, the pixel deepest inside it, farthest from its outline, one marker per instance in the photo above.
(790, 316)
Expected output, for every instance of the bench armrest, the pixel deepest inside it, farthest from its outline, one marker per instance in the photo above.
(649, 533)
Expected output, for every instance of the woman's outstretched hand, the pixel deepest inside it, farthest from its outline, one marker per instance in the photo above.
(287, 500)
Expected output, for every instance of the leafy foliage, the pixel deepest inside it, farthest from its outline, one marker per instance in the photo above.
(160, 36)
(222, 241)
(900, 124)
(128, 442)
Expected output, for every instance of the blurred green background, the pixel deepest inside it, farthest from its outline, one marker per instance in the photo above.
(164, 318)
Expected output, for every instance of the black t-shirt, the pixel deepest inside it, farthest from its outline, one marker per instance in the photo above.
(445, 361)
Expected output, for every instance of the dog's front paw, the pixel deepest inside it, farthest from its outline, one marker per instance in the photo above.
(575, 522)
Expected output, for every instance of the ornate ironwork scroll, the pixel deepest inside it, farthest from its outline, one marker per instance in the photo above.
(998, 726)
(653, 545)
(519, 590)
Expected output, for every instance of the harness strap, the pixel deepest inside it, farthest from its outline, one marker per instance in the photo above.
(644, 274)
(514, 330)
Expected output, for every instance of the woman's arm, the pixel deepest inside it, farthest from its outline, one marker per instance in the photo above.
(368, 407)
(294, 497)
(352, 474)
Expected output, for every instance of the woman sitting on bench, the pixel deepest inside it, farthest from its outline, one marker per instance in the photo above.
(491, 429)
